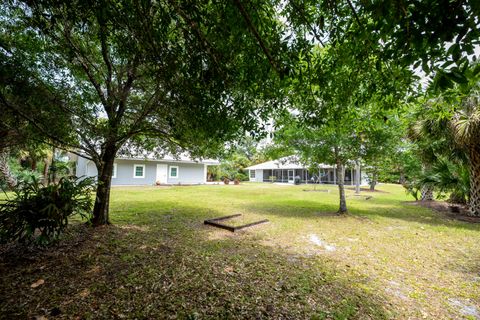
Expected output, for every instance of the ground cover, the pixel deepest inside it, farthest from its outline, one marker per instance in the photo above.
(385, 259)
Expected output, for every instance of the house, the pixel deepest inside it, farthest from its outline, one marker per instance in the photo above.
(286, 169)
(151, 170)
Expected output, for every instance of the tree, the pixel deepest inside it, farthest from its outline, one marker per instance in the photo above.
(465, 126)
(331, 143)
(380, 139)
(336, 108)
(170, 76)
(446, 132)
(435, 36)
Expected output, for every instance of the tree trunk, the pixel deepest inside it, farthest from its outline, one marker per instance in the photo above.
(357, 178)
(52, 176)
(427, 193)
(45, 170)
(5, 170)
(102, 199)
(373, 181)
(341, 187)
(402, 179)
(474, 204)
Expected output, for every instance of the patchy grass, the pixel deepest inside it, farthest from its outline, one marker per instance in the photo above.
(386, 259)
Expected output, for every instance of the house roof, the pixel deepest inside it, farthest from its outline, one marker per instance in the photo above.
(291, 162)
(169, 158)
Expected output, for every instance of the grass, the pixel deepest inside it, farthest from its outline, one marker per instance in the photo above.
(385, 259)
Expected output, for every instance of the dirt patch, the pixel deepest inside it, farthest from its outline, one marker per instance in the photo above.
(452, 211)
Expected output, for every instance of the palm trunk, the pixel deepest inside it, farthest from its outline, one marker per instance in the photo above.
(5, 170)
(427, 193)
(341, 187)
(102, 199)
(474, 204)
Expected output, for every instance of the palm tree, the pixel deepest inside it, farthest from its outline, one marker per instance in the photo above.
(465, 126)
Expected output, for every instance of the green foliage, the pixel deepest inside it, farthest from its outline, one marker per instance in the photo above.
(39, 214)
(241, 177)
(133, 76)
(448, 177)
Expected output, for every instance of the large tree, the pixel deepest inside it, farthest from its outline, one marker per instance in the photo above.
(167, 75)
(337, 107)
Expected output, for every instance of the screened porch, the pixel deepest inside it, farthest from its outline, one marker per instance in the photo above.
(325, 176)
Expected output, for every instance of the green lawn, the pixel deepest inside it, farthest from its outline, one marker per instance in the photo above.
(386, 259)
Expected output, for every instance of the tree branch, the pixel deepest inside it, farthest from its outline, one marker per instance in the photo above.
(254, 31)
(37, 126)
(84, 63)
(105, 56)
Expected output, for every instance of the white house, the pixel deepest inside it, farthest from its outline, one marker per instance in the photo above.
(151, 170)
(287, 168)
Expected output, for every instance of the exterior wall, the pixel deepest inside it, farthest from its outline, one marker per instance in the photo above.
(81, 166)
(125, 173)
(188, 173)
(258, 175)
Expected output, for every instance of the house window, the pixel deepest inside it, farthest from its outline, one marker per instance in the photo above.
(114, 174)
(252, 174)
(139, 171)
(173, 173)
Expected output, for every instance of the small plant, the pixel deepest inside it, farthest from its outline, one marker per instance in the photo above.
(236, 182)
(40, 213)
(226, 180)
(412, 189)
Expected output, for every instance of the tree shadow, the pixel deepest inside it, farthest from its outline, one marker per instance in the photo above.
(165, 271)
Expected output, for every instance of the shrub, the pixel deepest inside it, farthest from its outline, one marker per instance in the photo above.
(412, 189)
(226, 180)
(39, 214)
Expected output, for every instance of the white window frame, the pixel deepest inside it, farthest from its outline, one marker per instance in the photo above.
(114, 173)
(254, 174)
(170, 172)
(135, 166)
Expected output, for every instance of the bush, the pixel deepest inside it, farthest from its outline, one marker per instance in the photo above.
(40, 213)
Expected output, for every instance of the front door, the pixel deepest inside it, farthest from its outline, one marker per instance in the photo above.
(162, 171)
(290, 176)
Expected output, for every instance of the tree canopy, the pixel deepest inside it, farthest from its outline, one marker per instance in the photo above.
(168, 76)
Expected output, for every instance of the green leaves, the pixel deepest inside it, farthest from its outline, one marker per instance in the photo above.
(40, 213)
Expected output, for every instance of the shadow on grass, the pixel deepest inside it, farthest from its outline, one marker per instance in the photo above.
(393, 210)
(288, 207)
(131, 271)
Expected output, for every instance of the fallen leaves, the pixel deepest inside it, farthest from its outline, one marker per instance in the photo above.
(37, 283)
(84, 293)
